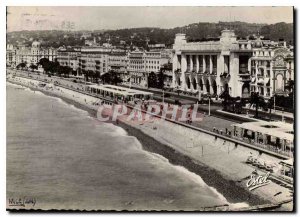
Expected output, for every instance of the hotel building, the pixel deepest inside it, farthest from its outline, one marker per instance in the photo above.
(212, 66)
(271, 67)
(69, 57)
(32, 55)
(117, 61)
(241, 66)
(142, 63)
(94, 59)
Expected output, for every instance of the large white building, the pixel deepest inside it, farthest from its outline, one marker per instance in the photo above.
(69, 57)
(28, 55)
(211, 66)
(142, 63)
(240, 66)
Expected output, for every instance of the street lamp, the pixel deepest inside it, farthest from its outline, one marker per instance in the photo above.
(274, 103)
(199, 97)
(163, 99)
(208, 105)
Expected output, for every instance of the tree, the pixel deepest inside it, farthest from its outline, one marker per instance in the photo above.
(152, 80)
(43, 62)
(50, 67)
(290, 85)
(111, 77)
(88, 74)
(33, 67)
(21, 65)
(258, 101)
(226, 99)
(63, 70)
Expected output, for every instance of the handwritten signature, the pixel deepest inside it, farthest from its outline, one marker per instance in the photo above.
(257, 181)
(22, 202)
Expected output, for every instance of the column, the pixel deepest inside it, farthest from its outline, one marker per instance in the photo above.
(256, 137)
(210, 65)
(197, 63)
(191, 82)
(204, 63)
(198, 83)
(183, 71)
(250, 66)
(175, 64)
(183, 63)
(191, 63)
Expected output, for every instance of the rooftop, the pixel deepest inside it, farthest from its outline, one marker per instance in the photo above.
(120, 90)
(277, 129)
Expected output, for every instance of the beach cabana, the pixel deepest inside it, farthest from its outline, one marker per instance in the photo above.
(276, 136)
(118, 93)
(287, 168)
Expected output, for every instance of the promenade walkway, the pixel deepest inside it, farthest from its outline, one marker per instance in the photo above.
(208, 124)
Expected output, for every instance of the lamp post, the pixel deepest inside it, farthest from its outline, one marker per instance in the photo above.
(274, 103)
(199, 97)
(209, 105)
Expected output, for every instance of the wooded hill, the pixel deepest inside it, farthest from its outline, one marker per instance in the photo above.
(195, 32)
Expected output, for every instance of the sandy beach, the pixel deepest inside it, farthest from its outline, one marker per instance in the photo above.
(221, 165)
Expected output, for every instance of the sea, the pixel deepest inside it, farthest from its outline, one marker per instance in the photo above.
(61, 158)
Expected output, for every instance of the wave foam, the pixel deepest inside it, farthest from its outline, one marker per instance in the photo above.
(238, 205)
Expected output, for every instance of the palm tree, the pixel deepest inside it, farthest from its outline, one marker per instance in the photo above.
(21, 65)
(290, 85)
(33, 67)
(152, 80)
(258, 101)
(226, 99)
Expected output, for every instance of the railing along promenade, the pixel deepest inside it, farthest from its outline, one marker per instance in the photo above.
(234, 140)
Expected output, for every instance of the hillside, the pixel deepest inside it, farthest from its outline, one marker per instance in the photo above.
(138, 36)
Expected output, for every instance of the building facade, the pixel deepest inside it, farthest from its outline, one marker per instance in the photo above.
(69, 57)
(238, 65)
(142, 63)
(211, 66)
(271, 67)
(10, 55)
(29, 55)
(94, 60)
(117, 62)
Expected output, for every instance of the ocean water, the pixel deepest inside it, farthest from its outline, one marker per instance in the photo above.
(65, 159)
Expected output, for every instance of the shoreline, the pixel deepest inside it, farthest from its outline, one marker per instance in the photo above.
(231, 190)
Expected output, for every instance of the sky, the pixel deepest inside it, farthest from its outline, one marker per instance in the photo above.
(97, 18)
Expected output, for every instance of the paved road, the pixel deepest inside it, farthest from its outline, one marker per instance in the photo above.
(216, 105)
(225, 121)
